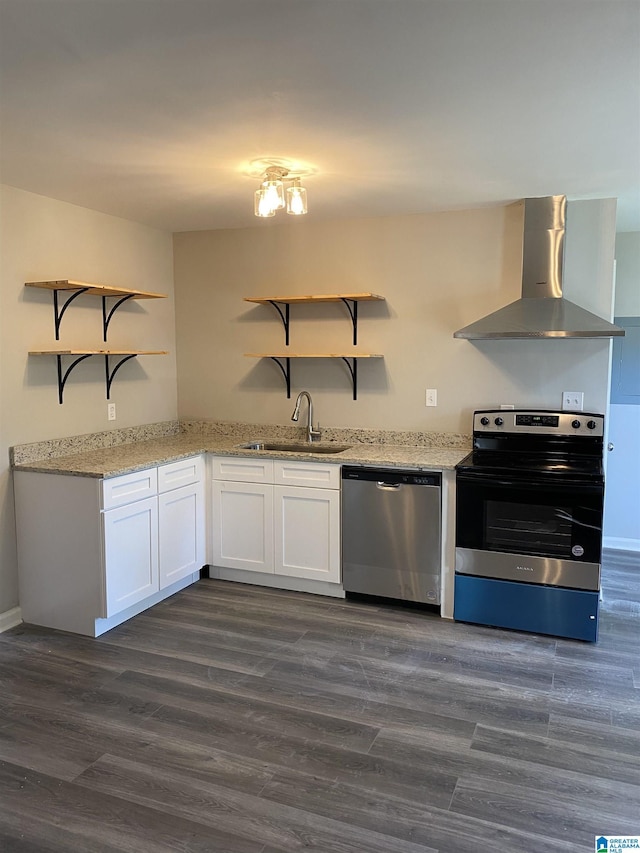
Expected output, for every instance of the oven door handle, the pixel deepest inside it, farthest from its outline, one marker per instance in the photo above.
(531, 482)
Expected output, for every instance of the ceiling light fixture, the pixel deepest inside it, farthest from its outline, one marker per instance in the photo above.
(271, 194)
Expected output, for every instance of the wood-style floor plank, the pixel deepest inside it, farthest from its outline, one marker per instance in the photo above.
(534, 811)
(65, 809)
(236, 718)
(422, 823)
(281, 826)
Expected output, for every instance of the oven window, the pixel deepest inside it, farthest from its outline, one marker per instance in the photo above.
(528, 528)
(545, 519)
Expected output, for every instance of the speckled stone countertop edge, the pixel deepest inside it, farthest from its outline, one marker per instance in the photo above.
(126, 458)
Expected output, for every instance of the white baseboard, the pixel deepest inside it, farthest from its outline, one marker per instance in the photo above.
(10, 618)
(618, 544)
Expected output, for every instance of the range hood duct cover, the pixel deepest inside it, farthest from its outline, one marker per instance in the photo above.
(542, 311)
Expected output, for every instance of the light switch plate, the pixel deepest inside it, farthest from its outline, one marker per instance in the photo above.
(572, 401)
(431, 397)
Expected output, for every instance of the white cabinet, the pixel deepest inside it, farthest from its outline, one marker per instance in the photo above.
(152, 543)
(307, 533)
(93, 553)
(130, 554)
(243, 526)
(181, 519)
(241, 470)
(310, 474)
(184, 472)
(127, 488)
(286, 521)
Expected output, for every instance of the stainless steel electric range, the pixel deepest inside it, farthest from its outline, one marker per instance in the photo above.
(529, 509)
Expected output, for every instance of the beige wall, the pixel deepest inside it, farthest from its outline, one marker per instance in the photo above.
(438, 272)
(628, 274)
(46, 239)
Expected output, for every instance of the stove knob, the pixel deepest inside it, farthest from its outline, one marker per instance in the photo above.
(498, 422)
(575, 424)
(591, 424)
(484, 421)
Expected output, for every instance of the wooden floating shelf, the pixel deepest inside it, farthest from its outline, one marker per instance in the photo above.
(283, 360)
(350, 300)
(352, 354)
(99, 352)
(81, 354)
(77, 288)
(94, 289)
(316, 297)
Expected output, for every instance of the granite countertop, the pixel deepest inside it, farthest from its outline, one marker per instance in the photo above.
(134, 456)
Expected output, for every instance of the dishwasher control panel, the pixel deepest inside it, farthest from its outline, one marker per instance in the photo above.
(392, 476)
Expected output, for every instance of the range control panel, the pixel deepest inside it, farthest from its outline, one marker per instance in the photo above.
(531, 421)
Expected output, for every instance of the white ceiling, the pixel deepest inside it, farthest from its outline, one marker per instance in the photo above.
(152, 109)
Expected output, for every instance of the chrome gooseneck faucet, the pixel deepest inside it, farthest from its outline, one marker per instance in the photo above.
(312, 434)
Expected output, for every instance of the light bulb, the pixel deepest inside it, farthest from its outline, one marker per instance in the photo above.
(296, 200)
(261, 206)
(274, 192)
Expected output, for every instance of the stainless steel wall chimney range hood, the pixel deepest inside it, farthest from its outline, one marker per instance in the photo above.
(542, 311)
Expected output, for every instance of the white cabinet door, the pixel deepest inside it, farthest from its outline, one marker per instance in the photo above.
(181, 523)
(130, 554)
(307, 533)
(243, 526)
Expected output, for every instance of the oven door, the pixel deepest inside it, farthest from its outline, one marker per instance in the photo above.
(531, 530)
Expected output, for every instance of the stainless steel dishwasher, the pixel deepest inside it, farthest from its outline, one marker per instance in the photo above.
(391, 533)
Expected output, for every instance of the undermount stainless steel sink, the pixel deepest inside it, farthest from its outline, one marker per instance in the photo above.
(295, 447)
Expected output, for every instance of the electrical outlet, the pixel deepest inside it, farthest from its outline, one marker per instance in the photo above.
(431, 398)
(572, 401)
(111, 411)
(507, 406)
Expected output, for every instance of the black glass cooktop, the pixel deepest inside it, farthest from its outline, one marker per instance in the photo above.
(504, 463)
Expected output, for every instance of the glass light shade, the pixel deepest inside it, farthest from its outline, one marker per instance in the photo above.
(261, 206)
(296, 200)
(274, 193)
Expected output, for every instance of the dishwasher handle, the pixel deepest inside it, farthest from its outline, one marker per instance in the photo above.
(388, 487)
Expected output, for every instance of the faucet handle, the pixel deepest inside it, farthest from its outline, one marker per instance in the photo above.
(315, 432)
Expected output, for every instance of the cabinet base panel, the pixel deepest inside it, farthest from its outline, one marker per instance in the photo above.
(334, 590)
(104, 625)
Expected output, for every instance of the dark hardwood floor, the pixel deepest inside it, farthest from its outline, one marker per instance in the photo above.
(233, 718)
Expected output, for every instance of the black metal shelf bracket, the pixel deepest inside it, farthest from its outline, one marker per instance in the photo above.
(106, 318)
(286, 372)
(62, 378)
(352, 308)
(58, 312)
(353, 370)
(109, 374)
(284, 317)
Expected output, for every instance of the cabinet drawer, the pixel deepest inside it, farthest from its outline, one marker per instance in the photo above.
(242, 469)
(310, 474)
(127, 488)
(184, 472)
